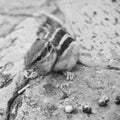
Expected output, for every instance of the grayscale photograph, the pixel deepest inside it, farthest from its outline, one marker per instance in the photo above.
(59, 59)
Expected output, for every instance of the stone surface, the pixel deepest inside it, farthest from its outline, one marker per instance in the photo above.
(96, 25)
(13, 48)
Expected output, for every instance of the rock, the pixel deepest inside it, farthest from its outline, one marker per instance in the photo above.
(69, 109)
(87, 109)
(117, 99)
(103, 101)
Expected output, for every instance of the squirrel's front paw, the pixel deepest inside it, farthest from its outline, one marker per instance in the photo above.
(30, 74)
(69, 75)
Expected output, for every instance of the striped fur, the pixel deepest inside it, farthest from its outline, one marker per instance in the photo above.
(57, 36)
(65, 45)
(46, 51)
(60, 40)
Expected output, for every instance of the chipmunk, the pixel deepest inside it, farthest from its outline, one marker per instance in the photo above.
(56, 50)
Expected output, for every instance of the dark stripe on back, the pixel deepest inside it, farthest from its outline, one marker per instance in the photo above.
(58, 37)
(65, 45)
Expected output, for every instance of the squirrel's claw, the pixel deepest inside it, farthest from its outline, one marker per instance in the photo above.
(69, 75)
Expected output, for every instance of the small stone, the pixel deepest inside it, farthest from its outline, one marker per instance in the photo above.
(117, 99)
(103, 101)
(69, 108)
(87, 109)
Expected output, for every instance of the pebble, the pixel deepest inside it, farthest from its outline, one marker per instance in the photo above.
(103, 101)
(87, 109)
(117, 99)
(69, 108)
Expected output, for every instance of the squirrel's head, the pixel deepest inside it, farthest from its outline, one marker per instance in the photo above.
(41, 58)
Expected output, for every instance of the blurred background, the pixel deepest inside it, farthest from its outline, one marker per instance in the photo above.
(14, 11)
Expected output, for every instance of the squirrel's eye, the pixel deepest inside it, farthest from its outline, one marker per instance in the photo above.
(38, 39)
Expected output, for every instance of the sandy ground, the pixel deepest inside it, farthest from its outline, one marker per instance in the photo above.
(47, 98)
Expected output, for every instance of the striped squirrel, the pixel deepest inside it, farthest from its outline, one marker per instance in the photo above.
(54, 50)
